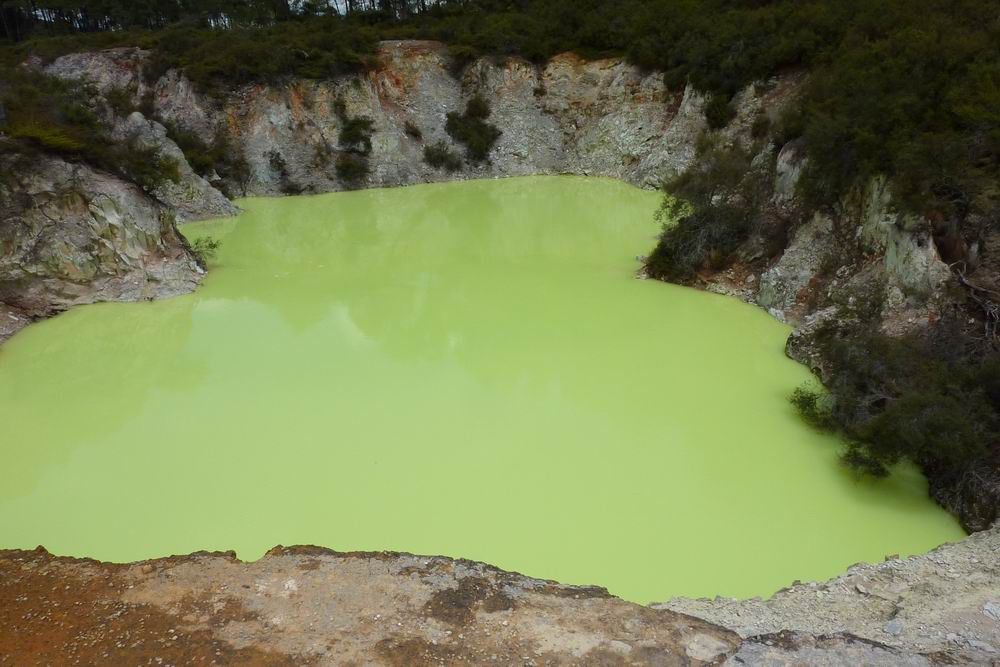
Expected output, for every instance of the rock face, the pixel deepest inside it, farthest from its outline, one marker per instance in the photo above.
(191, 197)
(306, 605)
(864, 262)
(601, 117)
(937, 604)
(863, 250)
(71, 235)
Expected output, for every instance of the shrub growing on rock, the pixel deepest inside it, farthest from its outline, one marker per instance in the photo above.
(356, 142)
(216, 60)
(351, 168)
(356, 135)
(813, 405)
(51, 115)
(925, 400)
(205, 248)
(285, 182)
(471, 129)
(121, 101)
(147, 167)
(439, 156)
(706, 214)
(719, 111)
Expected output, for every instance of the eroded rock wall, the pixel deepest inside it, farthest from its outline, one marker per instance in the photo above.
(600, 117)
(571, 116)
(943, 603)
(93, 232)
(71, 235)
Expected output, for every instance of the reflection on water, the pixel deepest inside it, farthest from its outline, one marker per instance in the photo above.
(466, 369)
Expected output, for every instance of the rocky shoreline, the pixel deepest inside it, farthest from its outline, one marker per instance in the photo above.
(312, 606)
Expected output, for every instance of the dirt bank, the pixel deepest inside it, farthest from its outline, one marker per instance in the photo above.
(310, 606)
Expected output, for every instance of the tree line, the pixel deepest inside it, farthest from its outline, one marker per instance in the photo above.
(905, 88)
(24, 19)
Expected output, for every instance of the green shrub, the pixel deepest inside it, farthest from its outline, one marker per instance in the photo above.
(147, 104)
(706, 214)
(355, 131)
(925, 400)
(205, 248)
(351, 168)
(761, 126)
(216, 60)
(44, 113)
(146, 166)
(48, 137)
(471, 129)
(719, 111)
(813, 405)
(356, 135)
(207, 159)
(477, 107)
(461, 55)
(120, 101)
(439, 156)
(198, 154)
(285, 182)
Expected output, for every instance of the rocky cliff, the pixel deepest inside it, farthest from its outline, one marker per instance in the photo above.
(863, 267)
(600, 117)
(72, 235)
(589, 117)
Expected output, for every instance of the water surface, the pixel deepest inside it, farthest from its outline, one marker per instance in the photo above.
(465, 369)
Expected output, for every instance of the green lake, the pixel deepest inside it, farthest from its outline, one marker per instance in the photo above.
(467, 369)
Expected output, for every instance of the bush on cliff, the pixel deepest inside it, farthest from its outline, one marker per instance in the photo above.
(932, 401)
(707, 212)
(205, 248)
(719, 111)
(907, 88)
(351, 168)
(218, 161)
(355, 131)
(471, 129)
(44, 113)
(217, 60)
(439, 156)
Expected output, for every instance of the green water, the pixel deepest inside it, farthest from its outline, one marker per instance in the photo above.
(465, 369)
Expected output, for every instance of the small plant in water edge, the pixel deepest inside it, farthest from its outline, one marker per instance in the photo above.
(205, 248)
